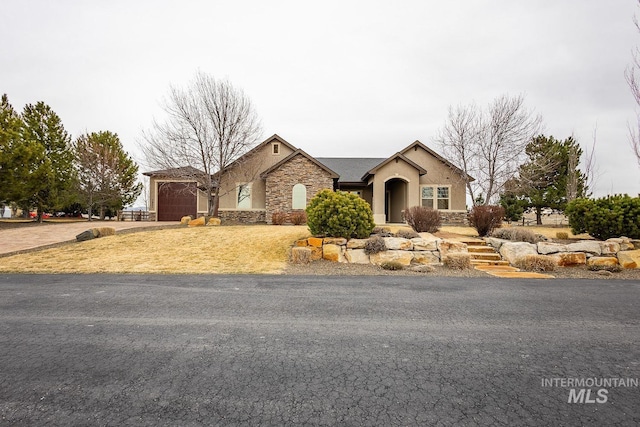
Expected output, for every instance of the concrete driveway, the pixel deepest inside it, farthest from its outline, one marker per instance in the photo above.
(50, 233)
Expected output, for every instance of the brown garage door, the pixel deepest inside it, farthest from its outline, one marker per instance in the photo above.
(175, 200)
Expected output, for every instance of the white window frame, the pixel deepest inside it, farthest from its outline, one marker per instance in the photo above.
(303, 196)
(434, 199)
(239, 187)
(438, 198)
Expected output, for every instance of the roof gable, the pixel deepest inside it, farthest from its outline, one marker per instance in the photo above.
(396, 156)
(294, 154)
(417, 144)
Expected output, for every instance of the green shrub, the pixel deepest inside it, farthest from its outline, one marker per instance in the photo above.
(611, 216)
(486, 218)
(422, 219)
(516, 235)
(535, 263)
(374, 245)
(339, 214)
(392, 265)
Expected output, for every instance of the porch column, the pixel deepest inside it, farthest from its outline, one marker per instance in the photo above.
(378, 202)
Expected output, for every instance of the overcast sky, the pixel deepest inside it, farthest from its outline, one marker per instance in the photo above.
(335, 78)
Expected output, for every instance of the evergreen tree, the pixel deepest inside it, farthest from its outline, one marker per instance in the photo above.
(50, 183)
(107, 176)
(550, 177)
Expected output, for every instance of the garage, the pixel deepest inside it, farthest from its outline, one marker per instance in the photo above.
(176, 199)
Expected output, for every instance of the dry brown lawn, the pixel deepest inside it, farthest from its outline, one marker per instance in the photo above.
(229, 249)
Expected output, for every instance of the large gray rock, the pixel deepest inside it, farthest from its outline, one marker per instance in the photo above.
(511, 251)
(495, 242)
(356, 243)
(546, 248)
(85, 235)
(422, 244)
(609, 248)
(398, 243)
(586, 246)
(356, 256)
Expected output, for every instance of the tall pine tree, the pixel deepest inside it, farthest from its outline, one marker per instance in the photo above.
(550, 176)
(50, 185)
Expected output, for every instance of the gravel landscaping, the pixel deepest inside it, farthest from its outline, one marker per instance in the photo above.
(328, 268)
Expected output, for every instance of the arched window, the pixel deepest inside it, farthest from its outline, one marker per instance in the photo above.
(299, 197)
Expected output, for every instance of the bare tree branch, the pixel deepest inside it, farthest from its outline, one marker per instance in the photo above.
(631, 75)
(210, 124)
(488, 145)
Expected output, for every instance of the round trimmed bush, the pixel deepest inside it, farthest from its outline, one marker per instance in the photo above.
(339, 214)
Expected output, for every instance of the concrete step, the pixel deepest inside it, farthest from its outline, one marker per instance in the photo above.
(486, 256)
(473, 249)
(474, 242)
(477, 262)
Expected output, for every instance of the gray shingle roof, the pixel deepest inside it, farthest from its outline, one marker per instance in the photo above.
(350, 169)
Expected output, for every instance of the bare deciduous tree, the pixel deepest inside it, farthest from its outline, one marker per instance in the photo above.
(633, 80)
(488, 145)
(210, 124)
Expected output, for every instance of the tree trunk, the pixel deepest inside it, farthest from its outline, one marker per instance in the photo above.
(538, 215)
(216, 203)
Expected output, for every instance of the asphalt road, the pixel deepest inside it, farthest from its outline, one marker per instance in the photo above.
(284, 350)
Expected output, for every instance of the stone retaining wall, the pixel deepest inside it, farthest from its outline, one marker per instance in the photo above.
(425, 249)
(618, 251)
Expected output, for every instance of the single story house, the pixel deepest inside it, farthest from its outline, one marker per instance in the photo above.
(277, 176)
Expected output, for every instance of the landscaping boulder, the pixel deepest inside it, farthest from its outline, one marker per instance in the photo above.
(316, 253)
(198, 222)
(356, 243)
(590, 247)
(511, 251)
(422, 244)
(609, 248)
(629, 259)
(425, 257)
(214, 221)
(301, 243)
(567, 259)
(333, 252)
(301, 255)
(451, 246)
(402, 257)
(495, 242)
(315, 241)
(602, 260)
(85, 235)
(624, 242)
(334, 241)
(398, 243)
(356, 256)
(546, 248)
(185, 220)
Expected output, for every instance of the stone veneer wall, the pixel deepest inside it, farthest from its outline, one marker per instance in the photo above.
(454, 218)
(280, 182)
(152, 216)
(249, 216)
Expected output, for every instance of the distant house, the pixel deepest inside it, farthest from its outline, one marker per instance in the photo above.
(276, 176)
